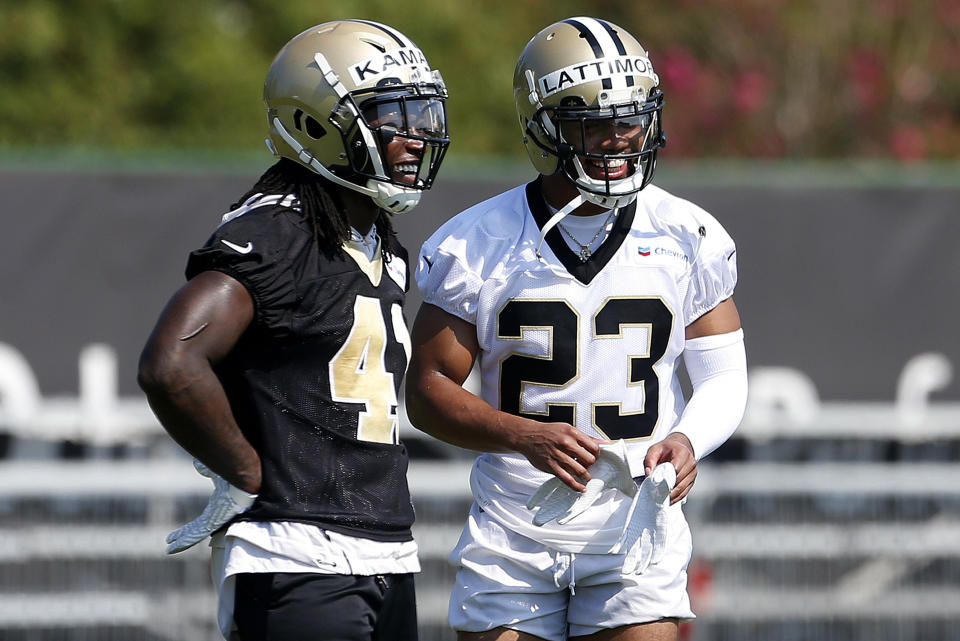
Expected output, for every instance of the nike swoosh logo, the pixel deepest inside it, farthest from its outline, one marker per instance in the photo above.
(243, 249)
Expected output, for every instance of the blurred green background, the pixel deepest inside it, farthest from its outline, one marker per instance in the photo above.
(771, 79)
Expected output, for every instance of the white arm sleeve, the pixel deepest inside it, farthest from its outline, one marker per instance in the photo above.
(717, 366)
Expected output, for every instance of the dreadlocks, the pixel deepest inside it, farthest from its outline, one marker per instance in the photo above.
(320, 203)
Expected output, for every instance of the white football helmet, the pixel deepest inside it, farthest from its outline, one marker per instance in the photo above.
(339, 92)
(587, 97)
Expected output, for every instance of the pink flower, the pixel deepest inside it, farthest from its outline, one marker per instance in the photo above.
(947, 13)
(867, 78)
(908, 143)
(678, 71)
(751, 89)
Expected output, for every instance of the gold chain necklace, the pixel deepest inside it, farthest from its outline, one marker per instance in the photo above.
(585, 252)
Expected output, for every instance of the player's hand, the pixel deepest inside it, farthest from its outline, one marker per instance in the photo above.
(646, 532)
(559, 449)
(677, 449)
(556, 500)
(225, 503)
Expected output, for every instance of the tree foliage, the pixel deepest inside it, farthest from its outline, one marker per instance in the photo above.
(773, 78)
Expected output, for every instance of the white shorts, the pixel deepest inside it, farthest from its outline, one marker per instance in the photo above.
(508, 580)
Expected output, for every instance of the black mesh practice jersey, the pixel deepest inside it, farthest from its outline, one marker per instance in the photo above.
(313, 383)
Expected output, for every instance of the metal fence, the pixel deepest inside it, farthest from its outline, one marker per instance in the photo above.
(817, 521)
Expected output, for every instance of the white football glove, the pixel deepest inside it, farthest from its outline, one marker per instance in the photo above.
(557, 500)
(225, 503)
(645, 533)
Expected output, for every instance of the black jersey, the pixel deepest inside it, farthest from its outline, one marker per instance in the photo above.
(314, 381)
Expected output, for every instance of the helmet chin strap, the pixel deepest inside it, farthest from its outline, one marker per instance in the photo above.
(608, 201)
(394, 199)
(556, 218)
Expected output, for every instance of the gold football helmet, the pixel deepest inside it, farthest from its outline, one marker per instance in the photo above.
(339, 92)
(587, 97)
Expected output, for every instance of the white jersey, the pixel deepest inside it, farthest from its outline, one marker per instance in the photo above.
(594, 344)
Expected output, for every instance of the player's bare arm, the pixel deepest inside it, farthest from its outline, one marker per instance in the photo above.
(721, 319)
(444, 350)
(676, 447)
(198, 327)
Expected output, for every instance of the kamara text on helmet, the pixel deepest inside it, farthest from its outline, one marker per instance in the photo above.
(385, 62)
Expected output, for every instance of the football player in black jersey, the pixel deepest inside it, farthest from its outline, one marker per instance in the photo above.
(277, 365)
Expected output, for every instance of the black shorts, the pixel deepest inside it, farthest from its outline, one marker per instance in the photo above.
(279, 606)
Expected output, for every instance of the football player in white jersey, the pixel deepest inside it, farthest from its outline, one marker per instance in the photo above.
(576, 295)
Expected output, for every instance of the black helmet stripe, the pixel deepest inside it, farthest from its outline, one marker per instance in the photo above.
(618, 43)
(398, 37)
(591, 39)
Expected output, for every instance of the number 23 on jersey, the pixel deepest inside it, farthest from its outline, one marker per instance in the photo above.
(561, 365)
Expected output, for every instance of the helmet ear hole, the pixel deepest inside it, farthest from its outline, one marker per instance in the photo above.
(536, 128)
(357, 150)
(314, 129)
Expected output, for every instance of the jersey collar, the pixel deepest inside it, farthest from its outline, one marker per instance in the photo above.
(372, 268)
(582, 271)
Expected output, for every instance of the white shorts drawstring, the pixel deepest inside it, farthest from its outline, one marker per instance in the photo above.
(563, 561)
(573, 573)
